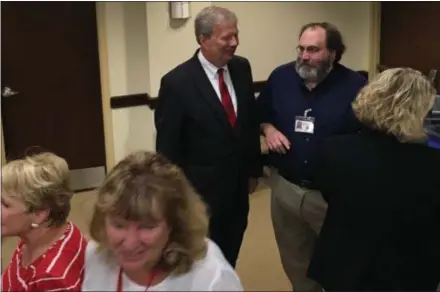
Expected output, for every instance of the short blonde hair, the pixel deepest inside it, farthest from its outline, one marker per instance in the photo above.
(397, 102)
(138, 188)
(41, 182)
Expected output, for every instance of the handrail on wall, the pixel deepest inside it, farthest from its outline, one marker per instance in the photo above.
(144, 99)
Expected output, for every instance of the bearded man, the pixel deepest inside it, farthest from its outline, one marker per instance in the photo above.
(304, 102)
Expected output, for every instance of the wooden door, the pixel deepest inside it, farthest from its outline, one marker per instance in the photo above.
(410, 35)
(51, 94)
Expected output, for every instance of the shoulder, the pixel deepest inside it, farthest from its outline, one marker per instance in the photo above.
(369, 141)
(211, 273)
(91, 249)
(75, 236)
(240, 60)
(179, 72)
(352, 77)
(214, 273)
(282, 70)
(66, 258)
(94, 257)
(63, 269)
(73, 244)
(98, 269)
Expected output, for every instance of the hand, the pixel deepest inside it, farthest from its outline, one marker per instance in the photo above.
(253, 182)
(275, 140)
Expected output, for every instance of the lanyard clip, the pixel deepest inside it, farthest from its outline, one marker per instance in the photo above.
(306, 112)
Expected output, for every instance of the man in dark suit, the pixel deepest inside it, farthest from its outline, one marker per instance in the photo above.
(206, 123)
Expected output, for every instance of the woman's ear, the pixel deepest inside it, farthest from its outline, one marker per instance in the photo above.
(40, 216)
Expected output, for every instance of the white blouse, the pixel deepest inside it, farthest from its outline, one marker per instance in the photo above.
(212, 273)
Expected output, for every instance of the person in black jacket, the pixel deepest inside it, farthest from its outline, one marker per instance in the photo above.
(382, 229)
(206, 123)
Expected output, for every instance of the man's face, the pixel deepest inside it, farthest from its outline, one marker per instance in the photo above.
(221, 46)
(314, 60)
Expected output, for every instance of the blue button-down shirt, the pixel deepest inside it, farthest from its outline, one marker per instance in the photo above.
(285, 96)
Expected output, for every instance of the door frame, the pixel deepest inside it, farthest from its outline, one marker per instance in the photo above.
(105, 90)
(374, 54)
(374, 58)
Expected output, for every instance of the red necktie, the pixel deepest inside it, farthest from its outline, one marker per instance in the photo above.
(226, 98)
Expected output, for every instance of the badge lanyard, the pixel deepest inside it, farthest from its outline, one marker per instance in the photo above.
(150, 281)
(305, 124)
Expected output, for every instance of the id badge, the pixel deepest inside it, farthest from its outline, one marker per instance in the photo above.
(305, 124)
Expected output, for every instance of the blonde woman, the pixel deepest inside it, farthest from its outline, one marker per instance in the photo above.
(35, 205)
(382, 185)
(149, 232)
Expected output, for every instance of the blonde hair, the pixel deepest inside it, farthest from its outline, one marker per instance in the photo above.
(41, 182)
(397, 102)
(145, 186)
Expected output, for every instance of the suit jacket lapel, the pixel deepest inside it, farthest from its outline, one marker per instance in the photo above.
(208, 92)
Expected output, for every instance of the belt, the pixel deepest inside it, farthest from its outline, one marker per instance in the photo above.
(300, 182)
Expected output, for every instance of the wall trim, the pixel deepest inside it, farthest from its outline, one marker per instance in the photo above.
(259, 85)
(375, 16)
(144, 99)
(131, 100)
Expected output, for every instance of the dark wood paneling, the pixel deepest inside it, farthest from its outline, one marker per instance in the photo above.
(49, 55)
(410, 35)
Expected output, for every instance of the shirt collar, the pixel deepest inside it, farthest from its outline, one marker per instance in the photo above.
(212, 69)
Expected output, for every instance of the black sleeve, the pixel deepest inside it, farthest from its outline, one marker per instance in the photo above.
(168, 119)
(264, 108)
(256, 165)
(321, 178)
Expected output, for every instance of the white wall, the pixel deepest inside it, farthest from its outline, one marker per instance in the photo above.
(143, 44)
(127, 46)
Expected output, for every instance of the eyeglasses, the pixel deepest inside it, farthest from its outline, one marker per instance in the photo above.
(309, 50)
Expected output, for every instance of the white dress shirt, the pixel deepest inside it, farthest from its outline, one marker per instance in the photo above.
(211, 72)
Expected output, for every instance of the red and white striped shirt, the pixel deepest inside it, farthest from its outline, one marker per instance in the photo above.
(61, 268)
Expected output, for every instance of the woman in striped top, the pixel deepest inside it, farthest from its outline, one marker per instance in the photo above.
(35, 206)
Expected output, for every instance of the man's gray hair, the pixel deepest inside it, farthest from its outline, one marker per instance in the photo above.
(210, 16)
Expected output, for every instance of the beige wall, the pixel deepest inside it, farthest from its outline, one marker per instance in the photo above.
(125, 40)
(143, 44)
